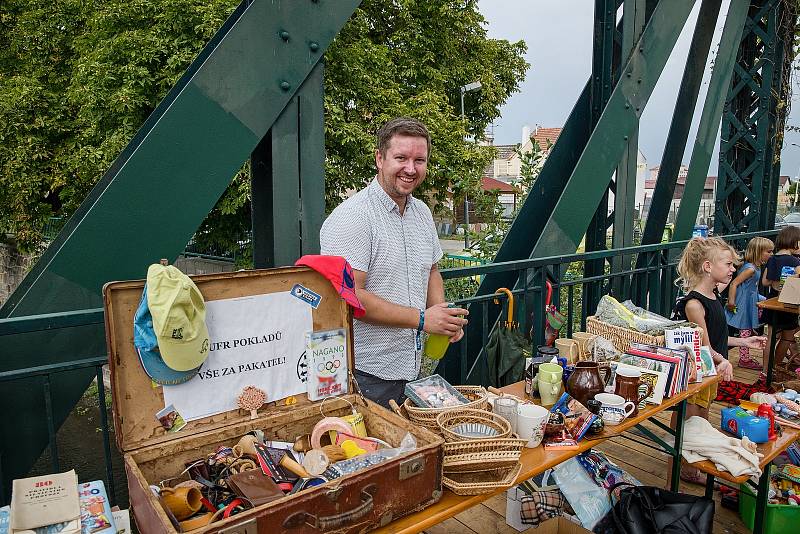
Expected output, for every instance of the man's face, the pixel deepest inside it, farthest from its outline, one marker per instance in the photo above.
(403, 167)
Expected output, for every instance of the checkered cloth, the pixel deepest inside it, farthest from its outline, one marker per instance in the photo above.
(541, 506)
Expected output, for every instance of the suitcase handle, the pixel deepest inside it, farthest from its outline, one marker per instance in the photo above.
(338, 520)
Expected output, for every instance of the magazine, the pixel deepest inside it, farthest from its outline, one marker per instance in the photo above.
(577, 418)
(709, 369)
(45, 500)
(327, 369)
(654, 365)
(96, 515)
(691, 338)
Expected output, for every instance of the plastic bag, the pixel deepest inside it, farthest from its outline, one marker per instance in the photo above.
(590, 501)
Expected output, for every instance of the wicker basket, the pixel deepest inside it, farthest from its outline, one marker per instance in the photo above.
(480, 455)
(426, 417)
(478, 482)
(452, 418)
(620, 337)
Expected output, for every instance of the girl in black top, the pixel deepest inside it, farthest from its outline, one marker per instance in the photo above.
(706, 262)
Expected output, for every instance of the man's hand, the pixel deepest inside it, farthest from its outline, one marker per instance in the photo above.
(725, 370)
(439, 319)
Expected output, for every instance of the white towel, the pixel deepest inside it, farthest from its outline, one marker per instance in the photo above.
(701, 441)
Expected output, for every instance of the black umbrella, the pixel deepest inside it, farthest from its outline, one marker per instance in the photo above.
(507, 348)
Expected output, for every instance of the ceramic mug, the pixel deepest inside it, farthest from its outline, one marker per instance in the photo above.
(183, 502)
(569, 349)
(551, 372)
(614, 408)
(549, 392)
(530, 423)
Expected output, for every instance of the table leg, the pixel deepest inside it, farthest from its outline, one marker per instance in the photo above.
(761, 501)
(771, 353)
(676, 459)
(709, 485)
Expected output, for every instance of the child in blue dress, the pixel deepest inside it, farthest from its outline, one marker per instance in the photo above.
(741, 310)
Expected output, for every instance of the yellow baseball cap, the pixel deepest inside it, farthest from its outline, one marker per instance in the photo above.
(179, 317)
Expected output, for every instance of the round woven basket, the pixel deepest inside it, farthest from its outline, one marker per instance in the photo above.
(475, 419)
(480, 455)
(477, 396)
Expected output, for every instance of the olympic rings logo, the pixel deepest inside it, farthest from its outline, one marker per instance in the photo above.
(329, 366)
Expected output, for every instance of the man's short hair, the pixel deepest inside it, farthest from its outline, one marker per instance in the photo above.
(402, 126)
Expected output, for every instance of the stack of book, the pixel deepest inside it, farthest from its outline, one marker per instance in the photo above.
(56, 503)
(668, 370)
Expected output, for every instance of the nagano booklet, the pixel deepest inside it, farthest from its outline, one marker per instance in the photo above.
(327, 363)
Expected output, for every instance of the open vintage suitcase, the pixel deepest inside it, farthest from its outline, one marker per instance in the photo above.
(354, 503)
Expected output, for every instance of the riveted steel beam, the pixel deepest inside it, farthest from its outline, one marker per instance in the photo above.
(159, 190)
(709, 120)
(747, 178)
(288, 180)
(681, 122)
(565, 226)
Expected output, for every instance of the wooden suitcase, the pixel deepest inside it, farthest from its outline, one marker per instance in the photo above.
(354, 503)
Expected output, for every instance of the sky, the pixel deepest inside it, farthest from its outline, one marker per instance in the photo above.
(559, 39)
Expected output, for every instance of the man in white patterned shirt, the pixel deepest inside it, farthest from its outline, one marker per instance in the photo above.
(390, 240)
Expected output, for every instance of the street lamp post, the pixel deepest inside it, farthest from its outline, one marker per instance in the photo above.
(474, 86)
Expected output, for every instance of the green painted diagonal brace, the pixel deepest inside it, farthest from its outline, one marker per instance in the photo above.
(157, 193)
(159, 190)
(567, 224)
(710, 119)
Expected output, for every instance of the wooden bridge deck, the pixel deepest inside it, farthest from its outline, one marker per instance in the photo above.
(647, 465)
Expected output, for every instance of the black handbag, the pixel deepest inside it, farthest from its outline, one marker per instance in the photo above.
(648, 510)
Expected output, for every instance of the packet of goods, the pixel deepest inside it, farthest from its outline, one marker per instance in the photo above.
(327, 363)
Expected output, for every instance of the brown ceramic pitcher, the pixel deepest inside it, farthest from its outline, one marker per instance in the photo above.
(627, 383)
(585, 381)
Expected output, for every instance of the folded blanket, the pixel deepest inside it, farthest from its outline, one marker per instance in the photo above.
(701, 441)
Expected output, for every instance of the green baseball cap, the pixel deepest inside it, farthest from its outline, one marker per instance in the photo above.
(179, 317)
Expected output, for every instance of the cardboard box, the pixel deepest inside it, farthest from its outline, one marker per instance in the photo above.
(790, 293)
(561, 525)
(356, 502)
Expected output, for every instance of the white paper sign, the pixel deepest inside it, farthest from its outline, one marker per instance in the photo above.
(255, 341)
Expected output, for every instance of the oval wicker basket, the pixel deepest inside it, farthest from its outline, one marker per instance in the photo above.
(478, 400)
(455, 417)
(480, 455)
(478, 482)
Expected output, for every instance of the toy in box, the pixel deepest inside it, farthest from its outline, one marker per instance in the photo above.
(434, 392)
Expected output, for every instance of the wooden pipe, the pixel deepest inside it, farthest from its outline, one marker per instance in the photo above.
(290, 465)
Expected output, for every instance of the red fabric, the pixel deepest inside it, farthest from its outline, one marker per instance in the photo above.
(732, 391)
(338, 271)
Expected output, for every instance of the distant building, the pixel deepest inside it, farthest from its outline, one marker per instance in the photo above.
(705, 211)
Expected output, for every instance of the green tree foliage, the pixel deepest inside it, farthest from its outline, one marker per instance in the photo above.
(78, 78)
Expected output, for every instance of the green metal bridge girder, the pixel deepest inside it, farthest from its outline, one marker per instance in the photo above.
(566, 225)
(747, 183)
(709, 120)
(163, 184)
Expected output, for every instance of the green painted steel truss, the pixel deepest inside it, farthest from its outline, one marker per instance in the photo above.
(752, 124)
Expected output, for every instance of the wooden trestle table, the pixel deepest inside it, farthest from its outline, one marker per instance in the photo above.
(538, 460)
(774, 305)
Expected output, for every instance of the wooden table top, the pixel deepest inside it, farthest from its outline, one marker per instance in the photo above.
(534, 461)
(773, 304)
(770, 450)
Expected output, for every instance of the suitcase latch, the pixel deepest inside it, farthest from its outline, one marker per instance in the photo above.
(248, 527)
(412, 467)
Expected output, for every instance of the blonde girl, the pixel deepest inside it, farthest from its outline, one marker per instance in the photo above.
(741, 311)
(706, 262)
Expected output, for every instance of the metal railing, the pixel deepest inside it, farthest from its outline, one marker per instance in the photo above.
(650, 286)
(644, 274)
(48, 374)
